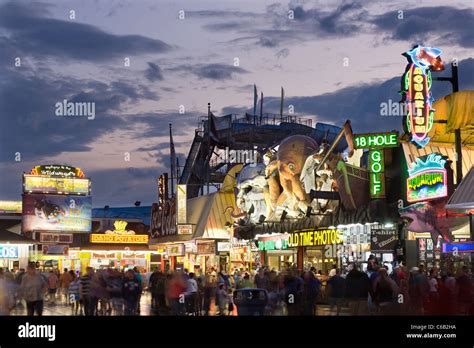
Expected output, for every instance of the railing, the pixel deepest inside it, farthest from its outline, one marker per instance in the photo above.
(191, 159)
(266, 119)
(271, 119)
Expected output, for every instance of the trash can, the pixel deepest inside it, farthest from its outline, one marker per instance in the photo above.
(250, 302)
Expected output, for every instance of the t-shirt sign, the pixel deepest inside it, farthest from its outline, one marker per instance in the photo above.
(383, 239)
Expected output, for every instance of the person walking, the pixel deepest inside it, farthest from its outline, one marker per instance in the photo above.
(425, 286)
(385, 293)
(434, 291)
(114, 288)
(53, 283)
(404, 293)
(200, 296)
(336, 289)
(152, 286)
(32, 289)
(246, 282)
(64, 280)
(450, 285)
(222, 299)
(311, 291)
(74, 295)
(191, 294)
(416, 291)
(237, 279)
(176, 291)
(357, 291)
(5, 304)
(140, 278)
(293, 292)
(85, 292)
(131, 290)
(161, 294)
(464, 291)
(207, 296)
(261, 281)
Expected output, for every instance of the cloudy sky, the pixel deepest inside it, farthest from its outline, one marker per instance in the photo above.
(335, 59)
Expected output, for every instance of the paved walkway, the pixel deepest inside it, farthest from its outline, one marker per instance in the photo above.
(60, 309)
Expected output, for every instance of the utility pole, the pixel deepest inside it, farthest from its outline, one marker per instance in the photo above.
(209, 120)
(457, 133)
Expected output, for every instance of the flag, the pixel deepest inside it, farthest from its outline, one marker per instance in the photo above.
(281, 102)
(172, 161)
(213, 132)
(255, 98)
(178, 174)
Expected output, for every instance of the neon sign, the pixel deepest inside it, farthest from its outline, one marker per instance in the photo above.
(55, 185)
(375, 140)
(315, 237)
(377, 177)
(278, 244)
(119, 238)
(427, 179)
(58, 170)
(416, 85)
(8, 252)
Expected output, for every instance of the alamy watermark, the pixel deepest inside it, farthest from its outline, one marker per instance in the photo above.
(333, 251)
(37, 331)
(238, 156)
(76, 109)
(393, 108)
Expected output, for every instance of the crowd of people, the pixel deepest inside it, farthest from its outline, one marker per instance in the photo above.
(101, 292)
(372, 291)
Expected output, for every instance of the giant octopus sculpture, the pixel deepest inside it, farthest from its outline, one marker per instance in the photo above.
(252, 194)
(288, 165)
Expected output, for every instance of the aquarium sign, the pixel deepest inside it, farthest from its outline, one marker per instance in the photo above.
(427, 179)
(416, 90)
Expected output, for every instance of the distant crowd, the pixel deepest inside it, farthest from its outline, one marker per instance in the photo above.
(373, 291)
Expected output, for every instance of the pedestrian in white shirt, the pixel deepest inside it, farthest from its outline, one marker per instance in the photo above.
(191, 294)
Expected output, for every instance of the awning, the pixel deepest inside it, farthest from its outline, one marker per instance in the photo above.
(463, 197)
(209, 215)
(454, 111)
(14, 238)
(412, 152)
(116, 247)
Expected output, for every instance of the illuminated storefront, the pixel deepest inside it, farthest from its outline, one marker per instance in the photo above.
(275, 251)
(314, 247)
(192, 243)
(14, 256)
(56, 210)
(120, 247)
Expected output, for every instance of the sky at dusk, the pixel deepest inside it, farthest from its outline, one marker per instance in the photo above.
(336, 60)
